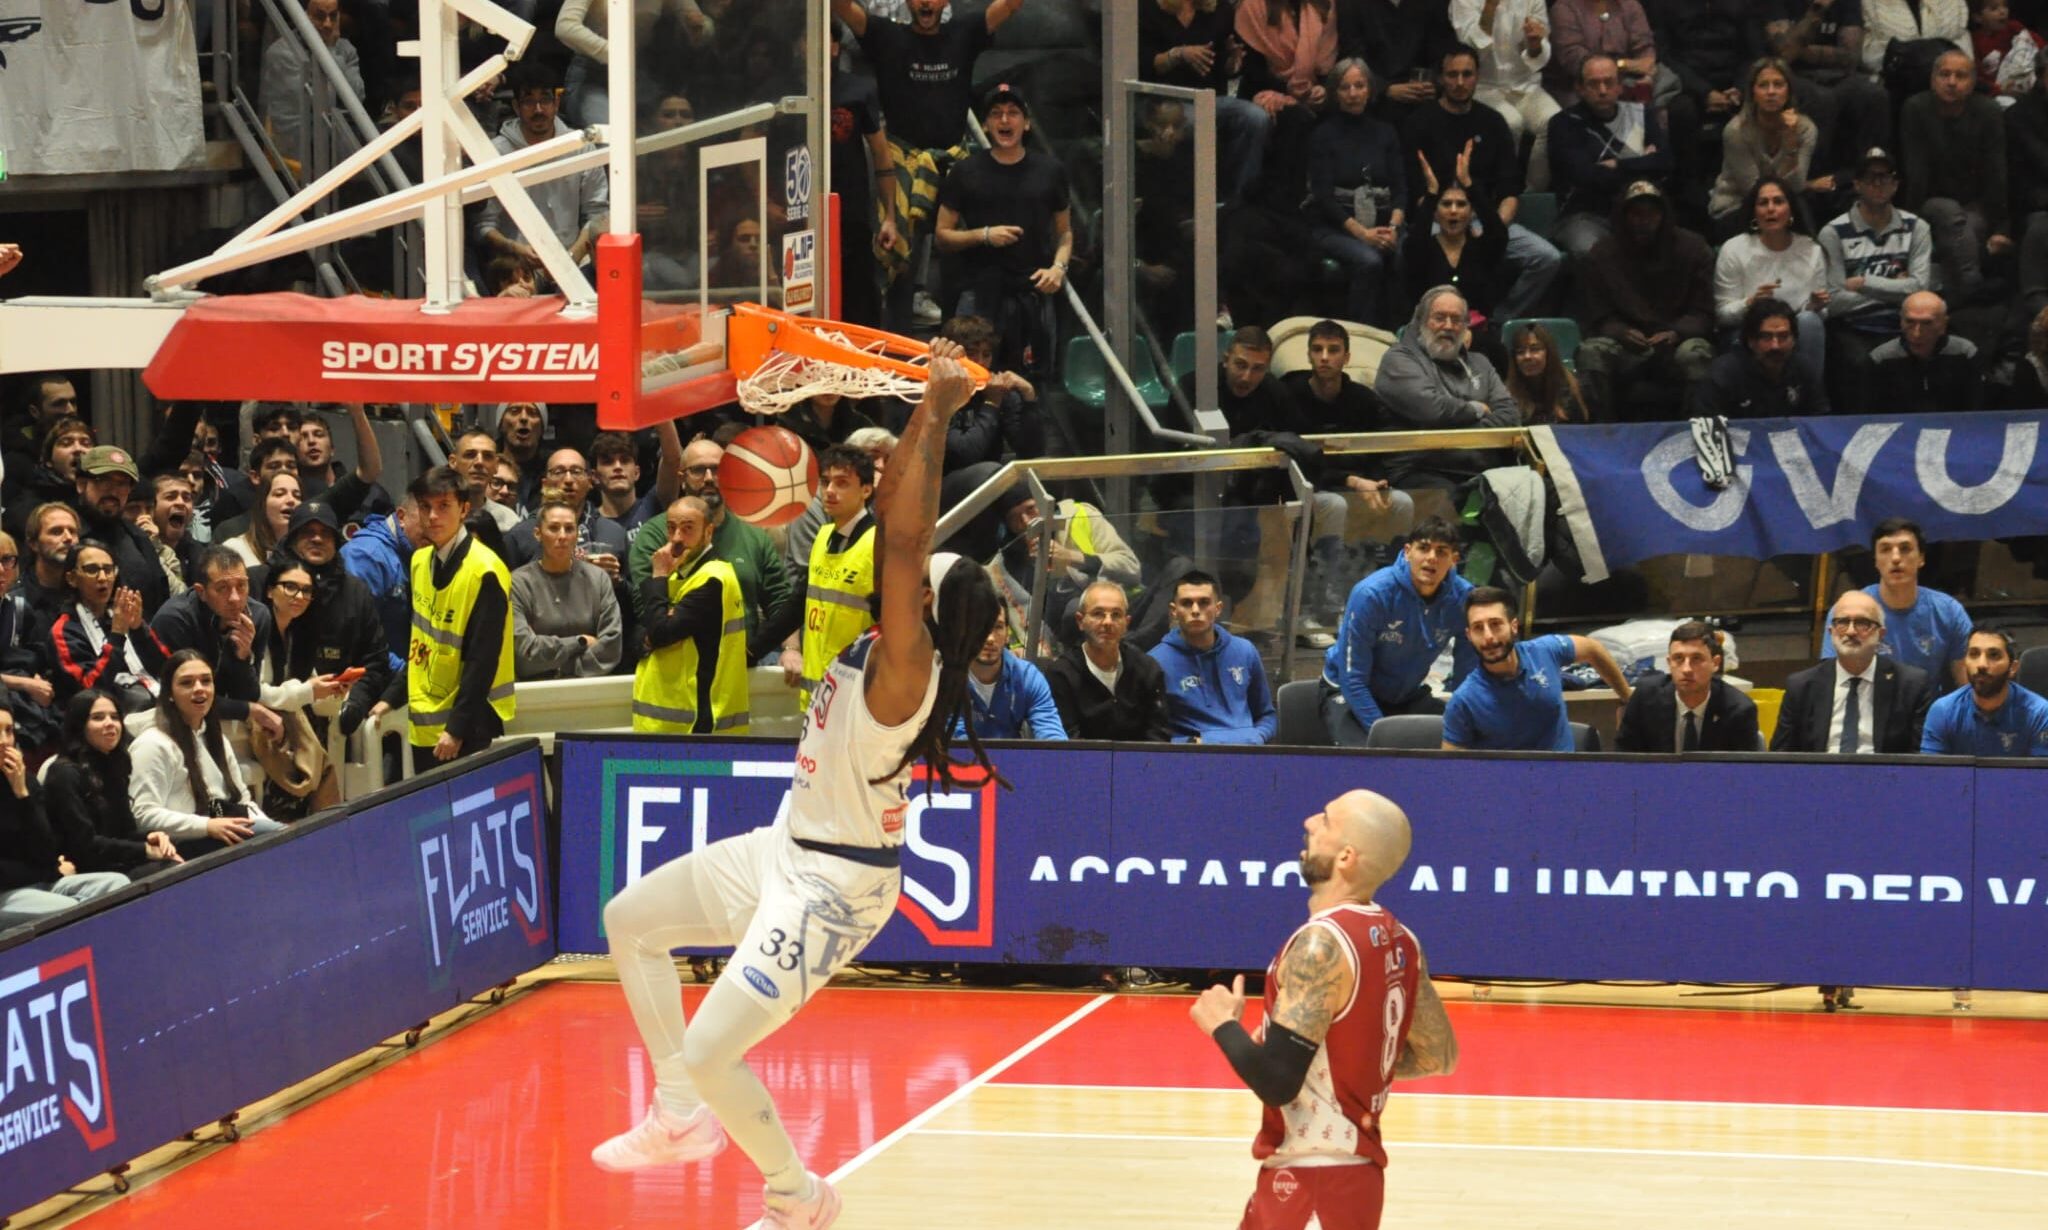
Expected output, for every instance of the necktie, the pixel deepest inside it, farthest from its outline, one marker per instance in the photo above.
(1852, 721)
(1692, 732)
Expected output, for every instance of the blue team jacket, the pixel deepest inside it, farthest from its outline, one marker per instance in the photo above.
(1390, 638)
(1220, 695)
(1021, 707)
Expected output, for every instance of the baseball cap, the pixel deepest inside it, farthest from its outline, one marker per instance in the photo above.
(1642, 190)
(1002, 92)
(106, 459)
(312, 512)
(1873, 156)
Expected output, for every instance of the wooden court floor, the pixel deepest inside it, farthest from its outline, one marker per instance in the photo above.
(1001, 1110)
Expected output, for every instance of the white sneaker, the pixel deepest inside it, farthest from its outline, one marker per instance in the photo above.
(657, 1142)
(925, 310)
(785, 1213)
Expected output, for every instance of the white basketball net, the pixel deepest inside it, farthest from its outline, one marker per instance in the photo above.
(785, 381)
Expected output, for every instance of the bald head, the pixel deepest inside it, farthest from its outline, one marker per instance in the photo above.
(1857, 629)
(1923, 323)
(1360, 839)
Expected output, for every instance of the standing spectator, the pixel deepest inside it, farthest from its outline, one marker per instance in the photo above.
(167, 499)
(841, 574)
(1465, 249)
(459, 665)
(1776, 259)
(2030, 375)
(565, 618)
(1005, 211)
(475, 462)
(1009, 696)
(47, 398)
(85, 795)
(1397, 623)
(237, 492)
(692, 672)
(1215, 682)
(1690, 708)
(615, 462)
(1599, 146)
(522, 430)
(342, 630)
(1515, 700)
(1911, 21)
(1926, 369)
(50, 532)
(1616, 29)
(101, 638)
(183, 780)
(299, 780)
(285, 95)
(569, 479)
(36, 879)
(574, 207)
(1856, 701)
(864, 177)
(1768, 137)
(2008, 54)
(1993, 716)
(1704, 49)
(1430, 381)
(276, 499)
(1823, 42)
(772, 600)
(1923, 628)
(24, 673)
(321, 476)
(1544, 387)
(54, 477)
(1877, 255)
(1762, 379)
(1105, 687)
(1954, 145)
(505, 485)
(1189, 43)
(1357, 179)
(826, 419)
(217, 619)
(1004, 415)
(380, 556)
(1513, 41)
(105, 477)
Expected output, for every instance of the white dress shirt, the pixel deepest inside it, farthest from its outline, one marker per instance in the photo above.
(1866, 708)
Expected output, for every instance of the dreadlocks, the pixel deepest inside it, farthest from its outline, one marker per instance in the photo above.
(966, 605)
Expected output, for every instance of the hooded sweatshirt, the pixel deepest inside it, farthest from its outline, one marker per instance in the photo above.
(1219, 693)
(1667, 283)
(378, 556)
(1391, 636)
(569, 203)
(342, 627)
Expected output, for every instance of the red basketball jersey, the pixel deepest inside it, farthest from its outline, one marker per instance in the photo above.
(1337, 1113)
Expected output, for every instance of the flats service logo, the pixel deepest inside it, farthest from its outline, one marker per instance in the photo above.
(56, 1057)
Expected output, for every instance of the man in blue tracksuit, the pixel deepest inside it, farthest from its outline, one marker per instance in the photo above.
(1396, 624)
(1215, 683)
(1010, 696)
(1993, 716)
(379, 555)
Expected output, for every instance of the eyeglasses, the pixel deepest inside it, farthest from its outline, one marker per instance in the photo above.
(1855, 623)
(293, 589)
(96, 570)
(566, 472)
(503, 484)
(703, 470)
(9, 561)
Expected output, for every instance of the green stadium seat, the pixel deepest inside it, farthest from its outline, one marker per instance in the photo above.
(1537, 212)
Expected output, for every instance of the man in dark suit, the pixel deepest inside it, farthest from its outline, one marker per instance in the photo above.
(1859, 703)
(1692, 709)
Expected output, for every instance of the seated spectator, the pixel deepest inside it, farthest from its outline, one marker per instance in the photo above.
(1086, 549)
(1105, 687)
(1926, 369)
(1618, 30)
(302, 702)
(1824, 45)
(574, 206)
(2026, 166)
(36, 878)
(379, 554)
(1776, 259)
(1290, 47)
(1911, 21)
(1465, 249)
(217, 619)
(1402, 42)
(342, 631)
(1544, 389)
(289, 81)
(1515, 700)
(1189, 44)
(1689, 708)
(1513, 52)
(615, 463)
(1598, 147)
(1430, 381)
(2030, 376)
(1247, 396)
(105, 478)
(1358, 181)
(1002, 419)
(1768, 137)
(565, 618)
(277, 497)
(2008, 54)
(1215, 682)
(1396, 624)
(772, 601)
(826, 419)
(737, 262)
(691, 676)
(24, 683)
(1876, 256)
(1924, 628)
(101, 640)
(1762, 380)
(1010, 697)
(54, 478)
(183, 781)
(39, 401)
(49, 534)
(1704, 51)
(1855, 702)
(1993, 716)
(1327, 400)
(1953, 141)
(85, 795)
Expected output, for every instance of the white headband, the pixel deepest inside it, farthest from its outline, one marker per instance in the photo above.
(937, 568)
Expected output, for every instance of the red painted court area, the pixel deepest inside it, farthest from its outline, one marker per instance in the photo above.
(491, 1126)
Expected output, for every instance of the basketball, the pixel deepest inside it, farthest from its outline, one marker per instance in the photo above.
(768, 476)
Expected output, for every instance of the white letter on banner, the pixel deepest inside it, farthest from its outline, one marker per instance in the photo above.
(1677, 450)
(1821, 506)
(1930, 466)
(1941, 888)
(913, 837)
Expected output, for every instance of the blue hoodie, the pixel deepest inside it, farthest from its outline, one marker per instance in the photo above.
(1021, 707)
(1390, 637)
(1219, 694)
(380, 557)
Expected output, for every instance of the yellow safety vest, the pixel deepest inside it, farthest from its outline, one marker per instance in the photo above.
(434, 657)
(835, 603)
(665, 681)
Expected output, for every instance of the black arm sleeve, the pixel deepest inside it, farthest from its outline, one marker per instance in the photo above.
(1274, 1071)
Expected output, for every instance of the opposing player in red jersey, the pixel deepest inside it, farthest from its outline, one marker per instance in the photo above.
(1349, 1010)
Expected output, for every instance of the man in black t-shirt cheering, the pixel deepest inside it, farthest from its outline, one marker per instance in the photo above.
(1004, 210)
(924, 71)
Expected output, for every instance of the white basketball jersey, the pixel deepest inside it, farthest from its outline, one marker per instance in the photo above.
(832, 797)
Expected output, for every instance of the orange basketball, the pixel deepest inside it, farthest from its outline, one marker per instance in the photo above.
(768, 476)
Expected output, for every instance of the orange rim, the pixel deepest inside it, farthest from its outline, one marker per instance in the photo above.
(752, 332)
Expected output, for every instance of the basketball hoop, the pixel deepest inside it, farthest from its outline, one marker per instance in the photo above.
(780, 360)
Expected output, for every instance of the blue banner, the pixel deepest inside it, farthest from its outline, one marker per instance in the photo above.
(221, 985)
(1800, 486)
(1524, 866)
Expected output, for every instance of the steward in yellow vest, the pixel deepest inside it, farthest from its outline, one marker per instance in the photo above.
(842, 570)
(459, 658)
(692, 677)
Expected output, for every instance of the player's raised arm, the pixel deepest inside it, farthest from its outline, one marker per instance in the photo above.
(907, 510)
(1431, 1048)
(1315, 982)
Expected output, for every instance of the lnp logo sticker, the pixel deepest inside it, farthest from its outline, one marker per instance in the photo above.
(56, 1066)
(480, 868)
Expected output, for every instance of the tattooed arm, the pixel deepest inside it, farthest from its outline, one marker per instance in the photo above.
(1315, 981)
(1431, 1048)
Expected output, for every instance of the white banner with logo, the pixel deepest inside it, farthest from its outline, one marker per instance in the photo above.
(98, 85)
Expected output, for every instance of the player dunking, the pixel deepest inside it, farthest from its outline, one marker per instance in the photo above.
(801, 898)
(1349, 1010)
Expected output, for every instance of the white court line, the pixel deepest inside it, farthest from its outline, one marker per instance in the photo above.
(952, 1099)
(1407, 1093)
(1242, 1141)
